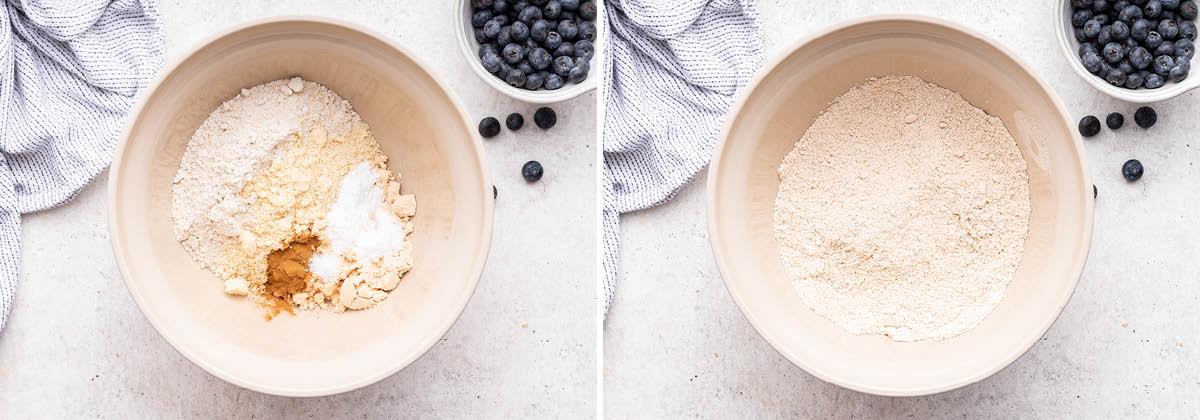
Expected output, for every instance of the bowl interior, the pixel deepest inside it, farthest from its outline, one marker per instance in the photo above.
(1070, 49)
(776, 113)
(470, 49)
(427, 140)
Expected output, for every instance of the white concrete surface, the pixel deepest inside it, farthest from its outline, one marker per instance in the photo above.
(676, 346)
(77, 346)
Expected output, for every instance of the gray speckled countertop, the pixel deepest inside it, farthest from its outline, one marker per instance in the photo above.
(77, 346)
(676, 346)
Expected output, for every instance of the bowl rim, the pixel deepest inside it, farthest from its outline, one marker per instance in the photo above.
(115, 237)
(715, 238)
(469, 48)
(1070, 47)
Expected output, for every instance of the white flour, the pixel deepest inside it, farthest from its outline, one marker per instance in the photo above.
(903, 211)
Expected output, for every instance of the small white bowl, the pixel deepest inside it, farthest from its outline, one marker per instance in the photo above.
(470, 50)
(1070, 49)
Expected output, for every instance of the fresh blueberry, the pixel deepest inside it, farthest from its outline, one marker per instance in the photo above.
(1139, 29)
(1135, 80)
(1152, 9)
(545, 118)
(568, 15)
(530, 14)
(1187, 30)
(1115, 120)
(512, 53)
(1128, 45)
(1166, 48)
(1102, 18)
(539, 30)
(519, 31)
(1145, 117)
(525, 67)
(1179, 72)
(1091, 62)
(519, 6)
(584, 49)
(481, 4)
(540, 59)
(1154, 81)
(587, 10)
(567, 49)
(496, 193)
(479, 36)
(1169, 14)
(1105, 35)
(1095, 192)
(1163, 64)
(1084, 48)
(1113, 52)
(1119, 30)
(1100, 6)
(535, 80)
(505, 36)
(504, 68)
(1170, 4)
(579, 72)
(499, 6)
(1115, 77)
(568, 29)
(1168, 29)
(1130, 13)
(1187, 10)
(491, 29)
(570, 4)
(515, 78)
(552, 9)
(532, 171)
(1088, 126)
(481, 18)
(1079, 36)
(503, 20)
(489, 127)
(563, 65)
(1140, 58)
(1125, 66)
(1081, 3)
(553, 82)
(1185, 49)
(1153, 40)
(1132, 170)
(553, 40)
(491, 62)
(1078, 18)
(587, 30)
(514, 121)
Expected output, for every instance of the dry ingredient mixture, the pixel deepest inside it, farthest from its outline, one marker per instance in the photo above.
(903, 211)
(265, 192)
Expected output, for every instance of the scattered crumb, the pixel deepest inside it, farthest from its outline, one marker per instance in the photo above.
(716, 355)
(524, 325)
(1124, 324)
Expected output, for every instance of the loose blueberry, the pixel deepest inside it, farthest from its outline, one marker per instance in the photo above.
(1113, 52)
(1114, 120)
(1132, 170)
(563, 65)
(545, 118)
(1168, 29)
(535, 81)
(505, 36)
(579, 72)
(1140, 58)
(552, 9)
(1187, 30)
(1154, 81)
(1135, 80)
(553, 82)
(530, 15)
(512, 53)
(1185, 49)
(480, 18)
(1120, 31)
(1140, 29)
(1152, 9)
(1089, 126)
(489, 127)
(1091, 62)
(1115, 77)
(1130, 13)
(1187, 10)
(1084, 48)
(1163, 64)
(584, 49)
(1105, 36)
(491, 29)
(587, 10)
(540, 58)
(514, 121)
(495, 192)
(539, 30)
(515, 78)
(1095, 192)
(1091, 29)
(553, 40)
(491, 62)
(532, 171)
(486, 48)
(567, 49)
(1178, 73)
(587, 30)
(1167, 48)
(1145, 117)
(568, 30)
(1153, 40)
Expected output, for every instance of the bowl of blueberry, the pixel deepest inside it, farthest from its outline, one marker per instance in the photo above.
(537, 51)
(1134, 50)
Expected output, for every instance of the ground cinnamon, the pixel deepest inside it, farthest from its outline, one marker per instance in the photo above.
(287, 273)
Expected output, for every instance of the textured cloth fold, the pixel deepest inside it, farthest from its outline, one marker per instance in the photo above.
(672, 70)
(69, 72)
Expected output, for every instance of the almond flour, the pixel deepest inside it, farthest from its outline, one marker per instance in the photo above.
(903, 211)
(257, 183)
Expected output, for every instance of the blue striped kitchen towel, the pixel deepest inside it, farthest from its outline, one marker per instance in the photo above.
(671, 72)
(69, 72)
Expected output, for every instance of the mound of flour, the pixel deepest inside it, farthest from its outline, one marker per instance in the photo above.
(903, 211)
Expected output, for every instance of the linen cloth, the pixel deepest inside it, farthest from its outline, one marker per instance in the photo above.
(672, 70)
(69, 72)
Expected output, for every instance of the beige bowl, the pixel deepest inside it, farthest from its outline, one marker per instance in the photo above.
(776, 110)
(424, 132)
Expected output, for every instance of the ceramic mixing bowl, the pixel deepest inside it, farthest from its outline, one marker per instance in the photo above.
(776, 110)
(422, 129)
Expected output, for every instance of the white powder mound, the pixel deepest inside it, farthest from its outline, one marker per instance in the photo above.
(358, 221)
(236, 141)
(903, 211)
